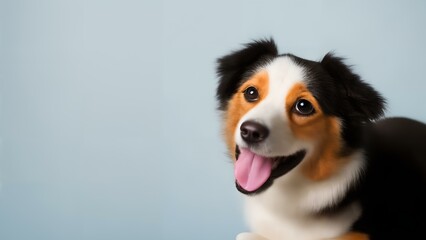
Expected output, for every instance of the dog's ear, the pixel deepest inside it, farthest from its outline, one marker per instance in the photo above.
(362, 101)
(233, 68)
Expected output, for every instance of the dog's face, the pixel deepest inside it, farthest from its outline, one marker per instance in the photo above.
(281, 111)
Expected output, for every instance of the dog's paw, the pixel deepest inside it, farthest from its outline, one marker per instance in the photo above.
(249, 236)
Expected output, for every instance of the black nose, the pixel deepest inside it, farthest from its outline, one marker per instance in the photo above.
(253, 132)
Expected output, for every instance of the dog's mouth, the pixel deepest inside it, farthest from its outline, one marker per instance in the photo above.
(255, 173)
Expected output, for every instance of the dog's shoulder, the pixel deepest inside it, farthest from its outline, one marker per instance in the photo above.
(393, 192)
(399, 139)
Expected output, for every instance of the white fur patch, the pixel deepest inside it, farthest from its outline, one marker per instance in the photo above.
(283, 74)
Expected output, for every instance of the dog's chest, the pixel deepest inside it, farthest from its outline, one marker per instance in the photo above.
(282, 219)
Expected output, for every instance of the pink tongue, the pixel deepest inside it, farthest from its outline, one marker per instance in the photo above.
(251, 170)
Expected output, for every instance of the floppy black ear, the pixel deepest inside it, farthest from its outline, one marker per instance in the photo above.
(362, 101)
(233, 68)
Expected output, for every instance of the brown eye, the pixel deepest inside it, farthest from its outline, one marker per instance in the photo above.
(251, 94)
(303, 107)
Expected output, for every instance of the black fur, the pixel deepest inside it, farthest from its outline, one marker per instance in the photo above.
(392, 188)
(342, 93)
(236, 67)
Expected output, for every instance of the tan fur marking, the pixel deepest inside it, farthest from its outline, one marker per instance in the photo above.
(353, 236)
(238, 107)
(323, 131)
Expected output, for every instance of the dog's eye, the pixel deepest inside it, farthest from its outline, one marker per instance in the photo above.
(251, 94)
(303, 107)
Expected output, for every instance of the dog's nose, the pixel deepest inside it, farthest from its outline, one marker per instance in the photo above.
(253, 132)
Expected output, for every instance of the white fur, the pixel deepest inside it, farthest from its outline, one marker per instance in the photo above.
(283, 75)
(286, 210)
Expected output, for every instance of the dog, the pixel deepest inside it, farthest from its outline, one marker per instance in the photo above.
(313, 153)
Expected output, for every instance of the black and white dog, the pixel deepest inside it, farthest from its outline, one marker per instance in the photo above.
(312, 154)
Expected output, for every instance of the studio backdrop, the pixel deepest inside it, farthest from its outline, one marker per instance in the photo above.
(108, 120)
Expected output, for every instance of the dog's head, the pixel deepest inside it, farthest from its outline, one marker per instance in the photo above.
(282, 111)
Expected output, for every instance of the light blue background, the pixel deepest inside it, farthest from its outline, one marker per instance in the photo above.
(108, 127)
